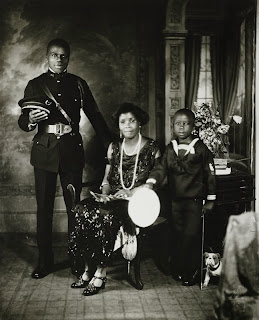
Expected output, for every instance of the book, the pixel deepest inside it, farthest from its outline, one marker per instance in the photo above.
(225, 171)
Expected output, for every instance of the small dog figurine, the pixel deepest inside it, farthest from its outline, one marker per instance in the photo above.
(213, 265)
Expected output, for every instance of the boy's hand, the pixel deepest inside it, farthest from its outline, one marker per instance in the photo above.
(208, 206)
(148, 185)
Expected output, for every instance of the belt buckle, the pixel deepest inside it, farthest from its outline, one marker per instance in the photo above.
(62, 129)
(59, 129)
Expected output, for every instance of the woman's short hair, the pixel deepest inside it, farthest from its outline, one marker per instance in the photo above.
(59, 43)
(141, 115)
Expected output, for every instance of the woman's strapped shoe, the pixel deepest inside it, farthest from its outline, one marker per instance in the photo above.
(80, 283)
(91, 289)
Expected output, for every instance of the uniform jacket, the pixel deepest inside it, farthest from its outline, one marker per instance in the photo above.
(189, 176)
(48, 152)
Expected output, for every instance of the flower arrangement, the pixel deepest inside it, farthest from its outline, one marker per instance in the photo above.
(211, 130)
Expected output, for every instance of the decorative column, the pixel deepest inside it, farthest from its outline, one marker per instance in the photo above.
(174, 35)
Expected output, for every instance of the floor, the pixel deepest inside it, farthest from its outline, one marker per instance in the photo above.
(22, 297)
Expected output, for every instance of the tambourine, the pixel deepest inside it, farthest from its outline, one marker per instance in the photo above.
(144, 207)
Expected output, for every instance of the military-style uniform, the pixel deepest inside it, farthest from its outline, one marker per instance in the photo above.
(54, 154)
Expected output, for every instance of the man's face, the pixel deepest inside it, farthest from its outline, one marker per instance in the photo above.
(57, 59)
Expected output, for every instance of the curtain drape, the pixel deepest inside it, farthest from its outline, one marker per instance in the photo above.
(225, 54)
(192, 68)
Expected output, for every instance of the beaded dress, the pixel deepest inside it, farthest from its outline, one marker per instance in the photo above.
(96, 224)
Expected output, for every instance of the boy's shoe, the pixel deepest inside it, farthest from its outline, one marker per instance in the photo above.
(177, 276)
(190, 280)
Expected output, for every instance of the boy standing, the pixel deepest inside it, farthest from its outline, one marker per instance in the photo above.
(187, 164)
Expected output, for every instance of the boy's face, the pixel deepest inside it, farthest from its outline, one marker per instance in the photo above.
(183, 126)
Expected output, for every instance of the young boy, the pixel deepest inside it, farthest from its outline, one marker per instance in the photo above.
(187, 164)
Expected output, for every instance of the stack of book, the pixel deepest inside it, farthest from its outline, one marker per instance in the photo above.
(221, 166)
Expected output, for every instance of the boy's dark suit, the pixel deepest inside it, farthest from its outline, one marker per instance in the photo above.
(191, 182)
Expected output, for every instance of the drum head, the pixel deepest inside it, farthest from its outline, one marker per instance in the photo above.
(144, 207)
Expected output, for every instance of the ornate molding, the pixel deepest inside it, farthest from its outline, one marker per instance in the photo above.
(175, 67)
(175, 104)
(175, 16)
(171, 126)
(176, 11)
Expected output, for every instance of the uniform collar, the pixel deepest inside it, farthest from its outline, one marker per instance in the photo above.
(54, 75)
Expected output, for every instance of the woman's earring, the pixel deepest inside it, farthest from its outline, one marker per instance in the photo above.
(120, 134)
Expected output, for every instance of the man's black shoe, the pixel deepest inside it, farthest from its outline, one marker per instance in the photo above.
(40, 272)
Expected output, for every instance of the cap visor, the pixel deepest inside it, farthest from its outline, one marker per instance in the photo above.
(35, 108)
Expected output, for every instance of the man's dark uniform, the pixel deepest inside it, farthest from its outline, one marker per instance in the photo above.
(64, 155)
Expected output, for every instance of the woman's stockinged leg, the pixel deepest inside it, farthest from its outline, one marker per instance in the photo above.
(97, 282)
(100, 273)
(82, 280)
(85, 275)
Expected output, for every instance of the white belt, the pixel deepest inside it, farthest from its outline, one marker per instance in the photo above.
(59, 129)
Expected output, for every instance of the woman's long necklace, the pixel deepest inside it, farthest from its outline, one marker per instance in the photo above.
(137, 149)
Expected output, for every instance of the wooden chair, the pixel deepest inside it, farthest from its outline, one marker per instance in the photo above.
(142, 234)
(160, 223)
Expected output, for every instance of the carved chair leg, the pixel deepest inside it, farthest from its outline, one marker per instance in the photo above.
(128, 268)
(72, 191)
(139, 283)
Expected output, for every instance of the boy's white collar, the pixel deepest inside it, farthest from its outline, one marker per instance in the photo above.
(188, 147)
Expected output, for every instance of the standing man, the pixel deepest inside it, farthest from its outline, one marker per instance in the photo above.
(52, 102)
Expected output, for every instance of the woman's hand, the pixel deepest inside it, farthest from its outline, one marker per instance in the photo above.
(100, 197)
(104, 198)
(106, 189)
(122, 194)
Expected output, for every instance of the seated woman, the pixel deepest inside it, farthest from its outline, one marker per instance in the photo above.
(98, 220)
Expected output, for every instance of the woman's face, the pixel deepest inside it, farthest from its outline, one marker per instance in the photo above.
(128, 125)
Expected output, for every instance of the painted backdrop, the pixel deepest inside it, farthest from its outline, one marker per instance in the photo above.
(111, 45)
